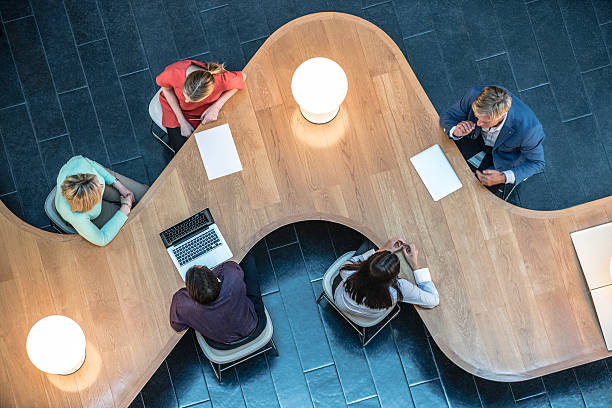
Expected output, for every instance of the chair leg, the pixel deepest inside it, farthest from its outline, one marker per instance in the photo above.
(217, 373)
(320, 297)
(160, 139)
(274, 347)
(383, 326)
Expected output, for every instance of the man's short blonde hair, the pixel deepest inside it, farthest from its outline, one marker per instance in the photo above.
(82, 191)
(493, 102)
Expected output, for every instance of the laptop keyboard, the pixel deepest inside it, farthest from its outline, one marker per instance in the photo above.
(196, 246)
(186, 227)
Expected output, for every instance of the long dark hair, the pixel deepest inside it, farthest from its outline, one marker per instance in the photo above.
(370, 284)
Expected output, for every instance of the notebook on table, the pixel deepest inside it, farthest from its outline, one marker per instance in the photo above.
(436, 172)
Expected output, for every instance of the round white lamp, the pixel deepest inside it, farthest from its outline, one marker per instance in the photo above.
(56, 345)
(319, 86)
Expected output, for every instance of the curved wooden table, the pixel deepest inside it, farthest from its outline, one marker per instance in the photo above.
(513, 301)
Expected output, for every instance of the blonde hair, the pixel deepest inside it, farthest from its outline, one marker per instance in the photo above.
(493, 102)
(82, 191)
(199, 84)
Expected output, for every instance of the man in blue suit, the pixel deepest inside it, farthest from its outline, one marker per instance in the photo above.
(491, 121)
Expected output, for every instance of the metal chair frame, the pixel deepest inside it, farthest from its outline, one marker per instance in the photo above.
(160, 138)
(219, 368)
(364, 339)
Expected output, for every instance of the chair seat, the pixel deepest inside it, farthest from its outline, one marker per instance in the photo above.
(54, 216)
(328, 280)
(155, 111)
(228, 356)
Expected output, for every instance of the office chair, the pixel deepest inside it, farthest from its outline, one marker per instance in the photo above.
(222, 360)
(360, 324)
(57, 222)
(155, 111)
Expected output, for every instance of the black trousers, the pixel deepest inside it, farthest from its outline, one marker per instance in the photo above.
(468, 148)
(251, 280)
(175, 139)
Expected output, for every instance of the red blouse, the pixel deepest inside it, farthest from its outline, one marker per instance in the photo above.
(174, 77)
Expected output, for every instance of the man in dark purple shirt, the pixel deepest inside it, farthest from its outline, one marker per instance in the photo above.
(223, 304)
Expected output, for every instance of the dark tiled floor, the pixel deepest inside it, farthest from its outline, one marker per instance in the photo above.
(78, 76)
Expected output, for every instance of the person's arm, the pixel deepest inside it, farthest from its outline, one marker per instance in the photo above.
(458, 113)
(211, 114)
(186, 128)
(176, 322)
(423, 294)
(99, 236)
(106, 175)
(534, 157)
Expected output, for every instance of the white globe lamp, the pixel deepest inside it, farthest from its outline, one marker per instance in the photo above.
(319, 86)
(56, 345)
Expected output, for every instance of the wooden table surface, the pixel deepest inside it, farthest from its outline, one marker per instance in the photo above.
(513, 300)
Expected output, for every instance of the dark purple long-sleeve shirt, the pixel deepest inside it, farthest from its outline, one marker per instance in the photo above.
(229, 318)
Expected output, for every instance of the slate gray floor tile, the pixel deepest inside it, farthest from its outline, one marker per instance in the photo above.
(606, 31)
(7, 184)
(58, 41)
(603, 10)
(158, 44)
(278, 12)
(137, 403)
(484, 36)
(123, 36)
(281, 236)
(83, 126)
(85, 18)
(528, 388)
(459, 385)
(516, 30)
(556, 51)
(429, 395)
(584, 34)
(109, 102)
(494, 394)
(414, 17)
(286, 369)
(316, 247)
(267, 277)
(158, 392)
(562, 389)
(184, 368)
(209, 4)
(222, 37)
(186, 27)
(250, 20)
(497, 70)
(135, 168)
(12, 9)
(55, 153)
(36, 79)
(540, 401)
(366, 403)
(11, 92)
(598, 85)
(249, 48)
(344, 239)
(308, 7)
(325, 387)
(12, 201)
(383, 15)
(595, 384)
(256, 383)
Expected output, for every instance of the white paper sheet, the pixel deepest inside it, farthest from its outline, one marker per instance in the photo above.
(218, 151)
(436, 172)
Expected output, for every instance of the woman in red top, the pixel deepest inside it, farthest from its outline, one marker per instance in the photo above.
(193, 91)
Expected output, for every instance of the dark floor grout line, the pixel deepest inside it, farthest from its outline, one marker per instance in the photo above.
(18, 18)
(255, 39)
(196, 403)
(375, 4)
(530, 1)
(197, 55)
(13, 106)
(51, 138)
(126, 160)
(595, 69)
(526, 398)
(282, 246)
(586, 115)
(607, 22)
(270, 293)
(433, 357)
(534, 87)
(133, 72)
(214, 8)
(424, 382)
(418, 34)
(9, 193)
(362, 399)
(318, 368)
(491, 56)
(90, 42)
(73, 89)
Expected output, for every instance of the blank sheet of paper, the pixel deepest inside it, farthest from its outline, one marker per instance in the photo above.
(218, 151)
(436, 172)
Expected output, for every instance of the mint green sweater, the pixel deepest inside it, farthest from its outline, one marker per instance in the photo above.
(81, 221)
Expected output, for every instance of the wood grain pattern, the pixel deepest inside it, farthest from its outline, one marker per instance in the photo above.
(513, 301)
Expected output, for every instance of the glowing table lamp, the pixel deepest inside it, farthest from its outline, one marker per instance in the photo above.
(56, 345)
(319, 86)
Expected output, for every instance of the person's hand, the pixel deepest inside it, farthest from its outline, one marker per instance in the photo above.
(411, 253)
(127, 200)
(463, 128)
(186, 128)
(491, 177)
(130, 195)
(210, 114)
(393, 245)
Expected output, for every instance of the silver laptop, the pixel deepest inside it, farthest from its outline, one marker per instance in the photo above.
(436, 172)
(196, 241)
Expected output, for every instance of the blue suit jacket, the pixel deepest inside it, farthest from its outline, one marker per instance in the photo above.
(519, 144)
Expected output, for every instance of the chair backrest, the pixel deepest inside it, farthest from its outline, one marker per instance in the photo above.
(155, 110)
(328, 280)
(54, 216)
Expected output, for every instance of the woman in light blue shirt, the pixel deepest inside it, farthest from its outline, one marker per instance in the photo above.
(368, 284)
(83, 199)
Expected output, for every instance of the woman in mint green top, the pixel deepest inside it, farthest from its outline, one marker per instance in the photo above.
(81, 194)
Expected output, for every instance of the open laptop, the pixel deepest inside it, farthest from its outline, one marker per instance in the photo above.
(196, 241)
